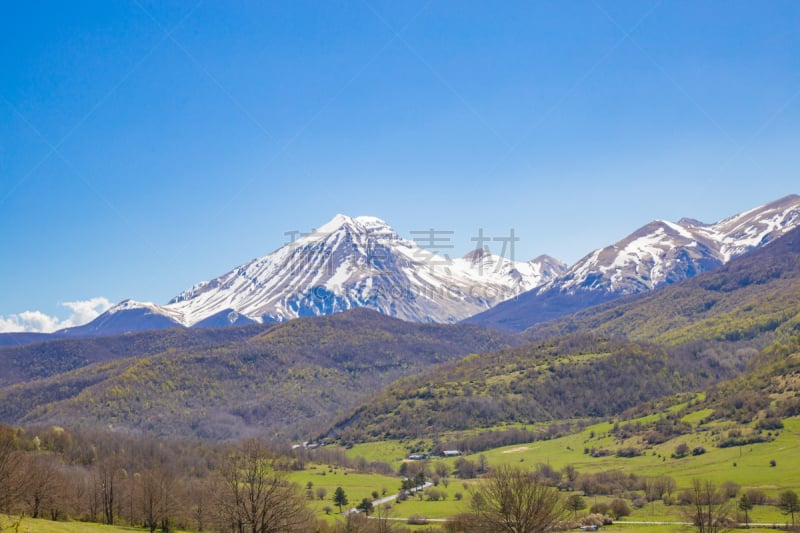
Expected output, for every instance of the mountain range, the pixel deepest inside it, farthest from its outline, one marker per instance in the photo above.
(344, 264)
(357, 262)
(657, 254)
(299, 376)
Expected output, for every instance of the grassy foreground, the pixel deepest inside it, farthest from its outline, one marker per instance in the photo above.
(40, 525)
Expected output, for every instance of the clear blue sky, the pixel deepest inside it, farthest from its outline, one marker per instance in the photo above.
(146, 147)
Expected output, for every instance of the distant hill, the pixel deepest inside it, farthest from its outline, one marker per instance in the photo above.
(52, 357)
(17, 339)
(298, 375)
(755, 298)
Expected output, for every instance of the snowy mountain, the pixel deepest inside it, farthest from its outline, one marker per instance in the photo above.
(361, 262)
(663, 253)
(657, 254)
(125, 317)
(346, 263)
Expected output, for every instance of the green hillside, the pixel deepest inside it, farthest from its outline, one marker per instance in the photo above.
(293, 376)
(566, 378)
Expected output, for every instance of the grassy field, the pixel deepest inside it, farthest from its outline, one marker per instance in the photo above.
(356, 486)
(749, 466)
(38, 525)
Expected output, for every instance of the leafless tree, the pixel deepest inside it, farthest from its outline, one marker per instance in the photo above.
(10, 464)
(256, 497)
(157, 497)
(43, 487)
(109, 472)
(198, 498)
(709, 509)
(511, 500)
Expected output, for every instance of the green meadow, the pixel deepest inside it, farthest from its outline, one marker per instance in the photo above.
(749, 466)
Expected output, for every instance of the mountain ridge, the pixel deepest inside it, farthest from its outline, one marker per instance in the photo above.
(657, 254)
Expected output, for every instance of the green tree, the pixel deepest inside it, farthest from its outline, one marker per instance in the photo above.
(365, 506)
(745, 505)
(575, 503)
(788, 503)
(340, 498)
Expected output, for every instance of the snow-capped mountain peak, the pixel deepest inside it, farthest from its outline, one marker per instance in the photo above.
(756, 227)
(664, 252)
(361, 262)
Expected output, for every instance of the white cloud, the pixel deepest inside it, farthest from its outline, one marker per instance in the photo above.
(35, 321)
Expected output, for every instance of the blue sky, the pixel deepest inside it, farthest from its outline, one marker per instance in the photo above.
(145, 146)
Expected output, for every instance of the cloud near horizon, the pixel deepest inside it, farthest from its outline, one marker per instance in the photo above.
(83, 311)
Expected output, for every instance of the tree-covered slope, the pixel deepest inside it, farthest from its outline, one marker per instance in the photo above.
(50, 357)
(293, 376)
(572, 377)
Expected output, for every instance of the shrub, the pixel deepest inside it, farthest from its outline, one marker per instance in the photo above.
(730, 489)
(681, 450)
(435, 495)
(769, 423)
(630, 451)
(619, 508)
(596, 519)
(756, 497)
(638, 501)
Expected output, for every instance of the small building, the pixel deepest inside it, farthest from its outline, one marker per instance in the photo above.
(451, 453)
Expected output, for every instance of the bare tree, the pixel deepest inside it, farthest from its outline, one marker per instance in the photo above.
(256, 497)
(789, 503)
(44, 480)
(157, 488)
(511, 500)
(10, 463)
(710, 509)
(198, 496)
(109, 471)
(382, 516)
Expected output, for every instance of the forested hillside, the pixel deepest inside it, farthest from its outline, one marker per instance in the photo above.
(295, 376)
(566, 378)
(51, 357)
